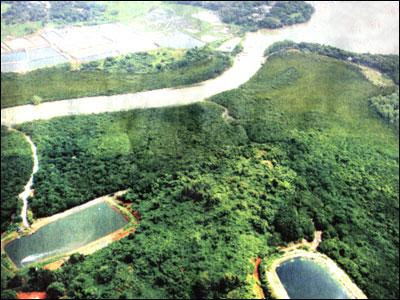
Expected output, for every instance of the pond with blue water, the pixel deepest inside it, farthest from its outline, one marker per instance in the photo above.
(305, 279)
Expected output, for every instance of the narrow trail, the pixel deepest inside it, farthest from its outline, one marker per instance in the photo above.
(256, 275)
(226, 116)
(313, 245)
(28, 187)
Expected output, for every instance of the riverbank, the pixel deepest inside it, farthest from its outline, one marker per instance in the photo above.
(245, 64)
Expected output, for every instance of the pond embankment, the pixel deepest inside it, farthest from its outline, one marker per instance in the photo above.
(83, 229)
(278, 290)
(295, 251)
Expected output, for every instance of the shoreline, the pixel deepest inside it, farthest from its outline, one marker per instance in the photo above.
(86, 249)
(245, 65)
(46, 220)
(278, 290)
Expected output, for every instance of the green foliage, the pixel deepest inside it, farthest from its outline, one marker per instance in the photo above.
(75, 11)
(39, 279)
(345, 160)
(127, 74)
(55, 290)
(36, 100)
(8, 294)
(287, 223)
(16, 167)
(117, 149)
(63, 12)
(292, 225)
(305, 150)
(386, 63)
(387, 107)
(238, 49)
(258, 14)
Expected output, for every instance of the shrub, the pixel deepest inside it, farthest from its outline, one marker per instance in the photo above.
(36, 100)
(55, 290)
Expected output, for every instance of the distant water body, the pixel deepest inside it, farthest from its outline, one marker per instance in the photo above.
(364, 26)
(304, 279)
(354, 26)
(359, 26)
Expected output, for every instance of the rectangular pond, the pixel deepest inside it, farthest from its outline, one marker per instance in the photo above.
(305, 279)
(65, 234)
(13, 57)
(178, 40)
(13, 66)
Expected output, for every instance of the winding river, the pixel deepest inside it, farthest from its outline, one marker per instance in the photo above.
(354, 26)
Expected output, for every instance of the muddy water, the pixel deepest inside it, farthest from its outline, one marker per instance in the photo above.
(355, 26)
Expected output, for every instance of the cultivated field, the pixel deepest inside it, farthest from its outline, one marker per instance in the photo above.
(164, 26)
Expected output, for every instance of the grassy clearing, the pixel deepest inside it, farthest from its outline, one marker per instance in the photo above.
(376, 77)
(325, 94)
(18, 30)
(125, 12)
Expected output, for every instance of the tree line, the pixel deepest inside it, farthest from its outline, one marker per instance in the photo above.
(253, 15)
(213, 193)
(54, 11)
(386, 63)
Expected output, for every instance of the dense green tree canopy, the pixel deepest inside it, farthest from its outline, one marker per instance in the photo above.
(258, 14)
(303, 150)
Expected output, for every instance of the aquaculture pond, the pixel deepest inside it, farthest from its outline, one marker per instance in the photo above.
(65, 234)
(305, 279)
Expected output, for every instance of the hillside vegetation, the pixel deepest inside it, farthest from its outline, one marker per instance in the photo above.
(303, 151)
(16, 168)
(127, 74)
(20, 18)
(387, 106)
(388, 64)
(57, 11)
(253, 15)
